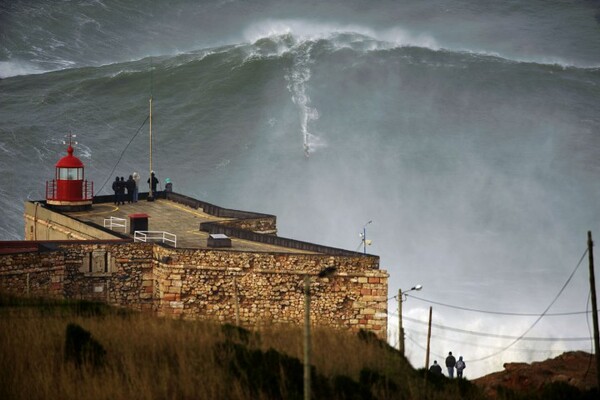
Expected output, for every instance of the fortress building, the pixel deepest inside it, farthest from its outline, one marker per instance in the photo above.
(178, 256)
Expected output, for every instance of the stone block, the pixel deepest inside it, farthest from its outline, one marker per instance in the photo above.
(176, 304)
(173, 289)
(359, 304)
(170, 297)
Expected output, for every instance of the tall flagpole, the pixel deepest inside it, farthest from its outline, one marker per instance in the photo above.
(150, 193)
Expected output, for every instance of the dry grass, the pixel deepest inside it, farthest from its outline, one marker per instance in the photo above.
(154, 358)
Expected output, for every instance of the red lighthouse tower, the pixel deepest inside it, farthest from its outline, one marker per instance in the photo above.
(68, 190)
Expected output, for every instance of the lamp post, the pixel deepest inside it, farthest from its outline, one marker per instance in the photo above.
(400, 328)
(324, 273)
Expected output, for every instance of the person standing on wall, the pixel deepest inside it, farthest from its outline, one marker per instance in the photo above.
(136, 190)
(130, 185)
(450, 363)
(115, 188)
(168, 185)
(122, 186)
(153, 181)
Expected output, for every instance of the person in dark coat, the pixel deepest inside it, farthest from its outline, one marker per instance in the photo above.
(115, 188)
(168, 185)
(450, 363)
(154, 181)
(130, 185)
(435, 369)
(121, 187)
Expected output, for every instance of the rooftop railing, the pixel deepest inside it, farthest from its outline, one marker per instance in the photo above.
(114, 222)
(146, 236)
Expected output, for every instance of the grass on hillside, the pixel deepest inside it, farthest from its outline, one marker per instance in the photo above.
(145, 357)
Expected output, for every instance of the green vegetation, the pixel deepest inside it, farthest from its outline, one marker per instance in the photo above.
(79, 350)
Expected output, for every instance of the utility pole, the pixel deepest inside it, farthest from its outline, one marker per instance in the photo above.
(306, 337)
(237, 302)
(428, 340)
(324, 273)
(400, 327)
(401, 347)
(594, 306)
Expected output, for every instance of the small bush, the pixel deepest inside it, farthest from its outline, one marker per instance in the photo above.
(236, 333)
(81, 348)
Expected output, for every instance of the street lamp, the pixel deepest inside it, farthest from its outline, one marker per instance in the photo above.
(324, 273)
(400, 328)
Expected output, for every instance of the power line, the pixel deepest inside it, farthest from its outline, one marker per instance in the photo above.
(443, 356)
(493, 335)
(473, 343)
(541, 316)
(515, 339)
(497, 336)
(495, 312)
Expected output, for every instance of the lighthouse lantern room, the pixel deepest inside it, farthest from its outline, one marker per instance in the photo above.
(68, 190)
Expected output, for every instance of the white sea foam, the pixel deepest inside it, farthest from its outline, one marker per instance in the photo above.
(301, 29)
(14, 68)
(382, 39)
(304, 30)
(5, 149)
(83, 151)
(298, 77)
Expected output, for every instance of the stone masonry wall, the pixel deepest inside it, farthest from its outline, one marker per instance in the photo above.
(119, 274)
(259, 225)
(208, 284)
(33, 273)
(268, 288)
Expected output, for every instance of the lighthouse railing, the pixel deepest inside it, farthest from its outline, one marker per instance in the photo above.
(87, 191)
(51, 189)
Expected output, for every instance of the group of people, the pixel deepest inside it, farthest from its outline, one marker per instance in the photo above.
(451, 364)
(128, 190)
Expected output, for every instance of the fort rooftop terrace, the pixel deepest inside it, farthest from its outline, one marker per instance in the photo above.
(192, 221)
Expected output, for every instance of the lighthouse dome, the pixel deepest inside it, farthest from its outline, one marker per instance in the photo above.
(69, 161)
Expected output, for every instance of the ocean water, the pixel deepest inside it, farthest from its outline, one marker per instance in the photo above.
(467, 131)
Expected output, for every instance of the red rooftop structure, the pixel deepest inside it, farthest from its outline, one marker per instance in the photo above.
(68, 190)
